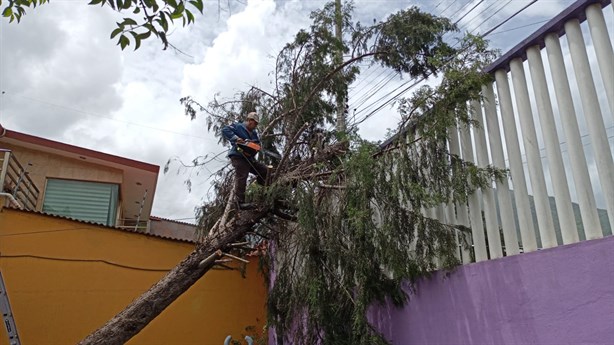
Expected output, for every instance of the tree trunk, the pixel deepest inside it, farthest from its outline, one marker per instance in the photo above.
(144, 309)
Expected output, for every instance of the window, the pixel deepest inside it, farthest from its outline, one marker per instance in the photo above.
(89, 201)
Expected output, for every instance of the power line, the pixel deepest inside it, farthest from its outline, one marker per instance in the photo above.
(509, 18)
(440, 2)
(374, 89)
(370, 84)
(381, 98)
(520, 27)
(484, 10)
(390, 77)
(86, 260)
(471, 10)
(365, 77)
(104, 117)
(445, 9)
(396, 96)
(372, 104)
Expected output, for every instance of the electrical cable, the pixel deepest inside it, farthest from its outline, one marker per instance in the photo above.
(520, 27)
(373, 90)
(478, 15)
(391, 76)
(371, 95)
(373, 103)
(508, 18)
(370, 85)
(471, 10)
(445, 9)
(423, 78)
(46, 231)
(492, 14)
(365, 77)
(105, 117)
(31, 256)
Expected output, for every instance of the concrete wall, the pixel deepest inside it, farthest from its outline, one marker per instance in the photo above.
(563, 295)
(66, 278)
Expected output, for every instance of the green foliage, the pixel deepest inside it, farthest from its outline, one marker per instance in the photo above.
(420, 52)
(359, 233)
(148, 17)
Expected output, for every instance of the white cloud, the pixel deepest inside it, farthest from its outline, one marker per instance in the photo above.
(51, 58)
(66, 80)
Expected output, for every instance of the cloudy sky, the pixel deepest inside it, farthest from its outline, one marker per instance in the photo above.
(62, 78)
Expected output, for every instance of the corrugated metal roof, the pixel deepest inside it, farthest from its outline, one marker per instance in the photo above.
(132, 230)
(170, 220)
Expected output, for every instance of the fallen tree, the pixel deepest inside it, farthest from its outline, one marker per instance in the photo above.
(346, 217)
(226, 231)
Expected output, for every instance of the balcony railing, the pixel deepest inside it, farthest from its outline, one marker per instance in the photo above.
(16, 182)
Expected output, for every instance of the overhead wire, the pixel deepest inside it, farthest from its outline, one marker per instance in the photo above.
(509, 18)
(379, 87)
(374, 103)
(471, 10)
(445, 9)
(111, 263)
(374, 89)
(419, 80)
(362, 98)
(362, 80)
(370, 84)
(480, 13)
(491, 15)
(519, 27)
(438, 4)
(102, 116)
(468, 12)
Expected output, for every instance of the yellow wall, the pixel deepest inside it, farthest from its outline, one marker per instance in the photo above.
(60, 289)
(46, 165)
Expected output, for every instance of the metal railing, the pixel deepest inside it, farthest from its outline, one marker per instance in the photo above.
(16, 182)
(134, 224)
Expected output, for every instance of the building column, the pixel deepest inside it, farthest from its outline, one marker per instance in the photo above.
(531, 149)
(562, 197)
(488, 195)
(579, 168)
(592, 112)
(461, 208)
(521, 195)
(475, 210)
(603, 49)
(498, 160)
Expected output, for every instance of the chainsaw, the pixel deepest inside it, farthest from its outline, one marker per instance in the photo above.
(251, 149)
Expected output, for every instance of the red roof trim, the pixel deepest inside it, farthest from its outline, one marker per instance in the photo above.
(79, 150)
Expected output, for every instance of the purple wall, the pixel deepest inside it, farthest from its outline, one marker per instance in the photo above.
(562, 295)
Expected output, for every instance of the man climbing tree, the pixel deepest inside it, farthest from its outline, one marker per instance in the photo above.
(357, 232)
(243, 156)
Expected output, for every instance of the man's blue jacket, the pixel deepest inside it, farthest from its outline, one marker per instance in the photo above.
(236, 131)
